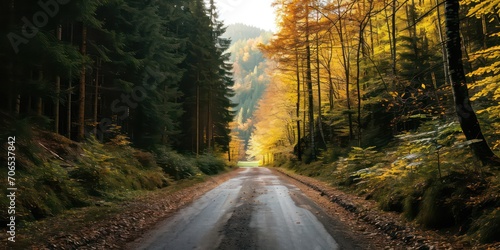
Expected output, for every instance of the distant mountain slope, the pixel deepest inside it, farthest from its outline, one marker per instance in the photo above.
(249, 67)
(241, 31)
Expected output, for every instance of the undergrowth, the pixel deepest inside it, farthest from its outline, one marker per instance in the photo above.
(54, 174)
(430, 176)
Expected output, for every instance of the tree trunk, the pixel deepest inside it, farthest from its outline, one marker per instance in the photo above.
(362, 25)
(346, 62)
(331, 91)
(58, 88)
(14, 96)
(371, 39)
(443, 45)
(466, 115)
(412, 31)
(70, 89)
(304, 103)
(209, 121)
(309, 87)
(485, 30)
(39, 100)
(81, 99)
(393, 38)
(198, 115)
(299, 146)
(358, 59)
(318, 75)
(96, 97)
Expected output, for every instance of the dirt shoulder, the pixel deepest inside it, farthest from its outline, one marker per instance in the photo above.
(380, 230)
(111, 226)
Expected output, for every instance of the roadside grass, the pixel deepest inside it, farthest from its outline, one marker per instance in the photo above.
(62, 184)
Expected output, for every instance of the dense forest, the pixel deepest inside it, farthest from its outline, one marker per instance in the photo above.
(102, 98)
(357, 68)
(366, 95)
(156, 70)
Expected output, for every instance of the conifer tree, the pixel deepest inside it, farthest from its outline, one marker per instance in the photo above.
(206, 83)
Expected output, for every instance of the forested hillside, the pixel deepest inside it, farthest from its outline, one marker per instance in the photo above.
(251, 78)
(356, 69)
(396, 101)
(239, 31)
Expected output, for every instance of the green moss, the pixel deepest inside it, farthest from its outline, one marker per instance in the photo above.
(434, 212)
(487, 228)
(393, 201)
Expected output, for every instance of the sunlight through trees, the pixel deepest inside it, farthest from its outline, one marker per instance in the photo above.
(376, 69)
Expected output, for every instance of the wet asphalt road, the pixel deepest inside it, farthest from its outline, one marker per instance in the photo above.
(255, 210)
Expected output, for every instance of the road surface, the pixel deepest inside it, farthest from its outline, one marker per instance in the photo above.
(255, 210)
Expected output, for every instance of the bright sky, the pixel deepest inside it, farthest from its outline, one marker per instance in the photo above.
(258, 13)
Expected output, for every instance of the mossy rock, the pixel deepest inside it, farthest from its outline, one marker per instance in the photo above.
(434, 212)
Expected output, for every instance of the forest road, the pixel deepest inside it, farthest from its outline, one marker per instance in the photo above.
(257, 209)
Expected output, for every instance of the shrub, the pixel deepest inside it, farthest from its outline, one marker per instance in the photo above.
(360, 158)
(48, 190)
(209, 164)
(104, 169)
(146, 159)
(174, 164)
